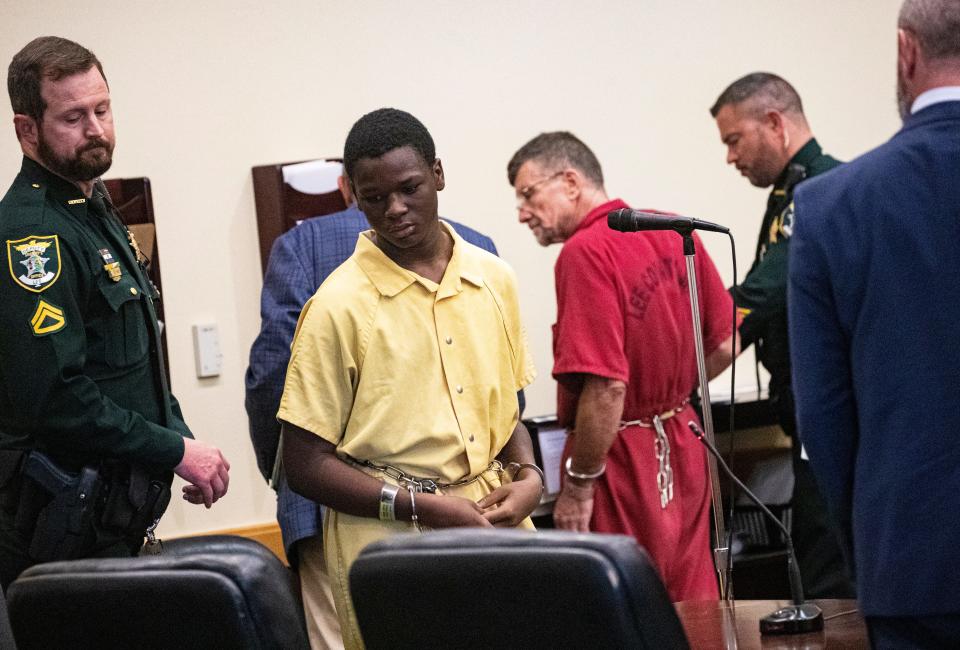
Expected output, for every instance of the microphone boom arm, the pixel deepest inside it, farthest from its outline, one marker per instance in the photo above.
(796, 586)
(800, 617)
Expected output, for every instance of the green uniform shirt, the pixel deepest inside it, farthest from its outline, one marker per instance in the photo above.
(762, 296)
(81, 371)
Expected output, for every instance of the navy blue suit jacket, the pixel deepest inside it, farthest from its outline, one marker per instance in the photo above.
(874, 315)
(300, 260)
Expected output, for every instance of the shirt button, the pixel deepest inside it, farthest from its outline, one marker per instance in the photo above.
(133, 290)
(449, 340)
(459, 389)
(471, 437)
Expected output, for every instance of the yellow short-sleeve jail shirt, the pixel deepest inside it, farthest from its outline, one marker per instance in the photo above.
(396, 369)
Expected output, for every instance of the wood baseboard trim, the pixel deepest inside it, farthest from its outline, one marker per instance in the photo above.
(267, 534)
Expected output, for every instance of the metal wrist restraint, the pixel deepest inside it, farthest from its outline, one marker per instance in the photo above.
(583, 476)
(413, 509)
(429, 485)
(661, 448)
(388, 492)
(515, 468)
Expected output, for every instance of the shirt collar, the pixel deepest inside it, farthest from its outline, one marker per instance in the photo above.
(59, 189)
(390, 278)
(807, 154)
(600, 212)
(804, 157)
(935, 96)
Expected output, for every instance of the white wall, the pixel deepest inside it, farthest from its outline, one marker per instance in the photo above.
(203, 91)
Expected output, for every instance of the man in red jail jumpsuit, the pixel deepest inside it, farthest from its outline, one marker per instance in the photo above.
(625, 363)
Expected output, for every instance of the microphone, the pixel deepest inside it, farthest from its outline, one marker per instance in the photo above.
(800, 617)
(627, 220)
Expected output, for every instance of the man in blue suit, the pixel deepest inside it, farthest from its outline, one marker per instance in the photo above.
(874, 303)
(300, 261)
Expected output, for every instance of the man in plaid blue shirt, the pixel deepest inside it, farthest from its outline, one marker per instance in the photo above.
(300, 261)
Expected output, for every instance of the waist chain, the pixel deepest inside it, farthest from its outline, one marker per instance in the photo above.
(661, 448)
(651, 423)
(429, 485)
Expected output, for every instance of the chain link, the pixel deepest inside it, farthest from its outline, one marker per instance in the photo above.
(428, 485)
(661, 447)
(666, 415)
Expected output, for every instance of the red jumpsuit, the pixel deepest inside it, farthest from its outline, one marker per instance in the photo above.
(623, 312)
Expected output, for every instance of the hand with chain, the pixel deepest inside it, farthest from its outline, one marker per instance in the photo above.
(314, 470)
(522, 482)
(512, 502)
(448, 511)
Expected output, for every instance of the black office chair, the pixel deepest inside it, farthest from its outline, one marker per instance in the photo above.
(469, 588)
(202, 592)
(6, 633)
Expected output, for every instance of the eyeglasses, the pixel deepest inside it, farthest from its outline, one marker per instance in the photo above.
(526, 193)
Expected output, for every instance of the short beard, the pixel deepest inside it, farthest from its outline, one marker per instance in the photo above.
(904, 102)
(765, 177)
(77, 168)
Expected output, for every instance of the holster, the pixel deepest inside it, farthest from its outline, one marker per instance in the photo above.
(69, 515)
(133, 499)
(64, 525)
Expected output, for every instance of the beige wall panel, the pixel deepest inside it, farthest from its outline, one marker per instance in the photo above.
(205, 90)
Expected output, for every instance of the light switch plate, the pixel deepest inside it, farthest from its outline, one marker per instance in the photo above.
(206, 350)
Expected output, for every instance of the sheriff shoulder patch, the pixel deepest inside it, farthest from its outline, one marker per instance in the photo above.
(34, 261)
(47, 319)
(786, 221)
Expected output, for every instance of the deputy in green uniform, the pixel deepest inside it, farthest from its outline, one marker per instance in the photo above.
(88, 427)
(762, 124)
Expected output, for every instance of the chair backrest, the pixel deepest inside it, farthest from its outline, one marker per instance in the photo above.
(202, 592)
(6, 632)
(133, 199)
(467, 588)
(288, 193)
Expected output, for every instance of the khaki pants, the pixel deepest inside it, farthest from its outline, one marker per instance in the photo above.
(323, 626)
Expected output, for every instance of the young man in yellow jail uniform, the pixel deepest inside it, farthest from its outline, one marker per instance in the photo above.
(406, 363)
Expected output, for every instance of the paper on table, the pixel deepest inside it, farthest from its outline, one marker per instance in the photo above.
(551, 449)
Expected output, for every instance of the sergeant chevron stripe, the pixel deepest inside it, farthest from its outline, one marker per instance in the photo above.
(47, 319)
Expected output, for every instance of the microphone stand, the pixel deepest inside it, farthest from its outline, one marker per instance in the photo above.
(721, 549)
(801, 616)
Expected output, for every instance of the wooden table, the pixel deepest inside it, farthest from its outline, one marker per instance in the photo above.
(716, 624)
